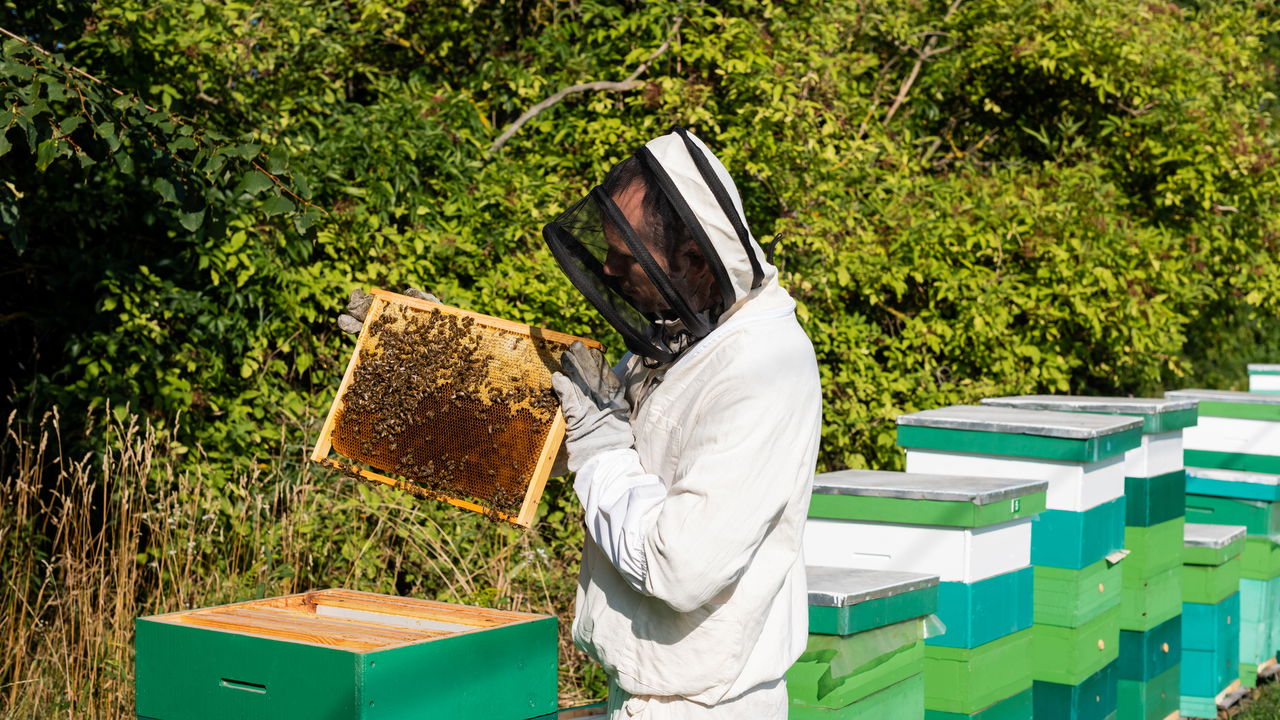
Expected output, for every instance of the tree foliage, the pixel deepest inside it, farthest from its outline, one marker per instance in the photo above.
(979, 196)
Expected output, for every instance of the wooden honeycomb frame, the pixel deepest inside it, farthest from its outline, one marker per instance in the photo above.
(550, 447)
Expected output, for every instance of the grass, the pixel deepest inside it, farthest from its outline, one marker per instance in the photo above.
(143, 525)
(1262, 704)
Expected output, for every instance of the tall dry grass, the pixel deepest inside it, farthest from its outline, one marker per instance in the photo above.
(142, 525)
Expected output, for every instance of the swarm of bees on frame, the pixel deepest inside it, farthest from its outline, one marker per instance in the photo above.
(448, 406)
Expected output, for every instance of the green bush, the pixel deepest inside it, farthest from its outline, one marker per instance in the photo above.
(979, 197)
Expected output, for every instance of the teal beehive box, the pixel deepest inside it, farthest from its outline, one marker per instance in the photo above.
(1210, 617)
(1264, 378)
(865, 653)
(339, 654)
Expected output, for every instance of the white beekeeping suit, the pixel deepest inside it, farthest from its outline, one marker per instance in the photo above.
(692, 590)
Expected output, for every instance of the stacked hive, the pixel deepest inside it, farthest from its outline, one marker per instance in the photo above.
(1232, 463)
(1210, 617)
(975, 533)
(865, 652)
(1264, 378)
(1151, 607)
(1075, 542)
(342, 654)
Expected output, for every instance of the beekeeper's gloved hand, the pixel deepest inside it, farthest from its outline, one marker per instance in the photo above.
(358, 306)
(597, 415)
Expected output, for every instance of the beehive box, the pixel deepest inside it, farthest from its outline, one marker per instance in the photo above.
(1237, 431)
(865, 652)
(345, 655)
(452, 405)
(1264, 378)
(1210, 616)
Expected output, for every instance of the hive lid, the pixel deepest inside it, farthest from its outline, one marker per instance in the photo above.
(1225, 396)
(842, 587)
(1237, 476)
(1202, 535)
(1264, 369)
(919, 486)
(985, 418)
(1158, 415)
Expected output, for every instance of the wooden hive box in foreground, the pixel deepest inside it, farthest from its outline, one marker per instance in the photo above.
(345, 655)
(451, 405)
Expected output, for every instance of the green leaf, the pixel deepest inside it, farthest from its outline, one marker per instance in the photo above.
(277, 161)
(165, 188)
(68, 125)
(278, 205)
(4, 143)
(107, 131)
(192, 220)
(255, 182)
(45, 153)
(304, 220)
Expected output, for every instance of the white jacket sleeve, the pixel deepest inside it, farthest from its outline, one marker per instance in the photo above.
(618, 499)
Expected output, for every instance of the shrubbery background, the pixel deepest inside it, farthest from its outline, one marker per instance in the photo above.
(979, 197)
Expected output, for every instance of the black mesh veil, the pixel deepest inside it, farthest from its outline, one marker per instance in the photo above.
(656, 278)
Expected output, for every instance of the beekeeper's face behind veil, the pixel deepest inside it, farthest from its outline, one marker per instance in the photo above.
(648, 246)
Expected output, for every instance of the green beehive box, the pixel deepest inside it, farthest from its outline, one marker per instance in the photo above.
(1226, 419)
(967, 680)
(1211, 562)
(1259, 516)
(866, 644)
(1019, 707)
(1260, 559)
(1071, 598)
(1145, 604)
(1154, 699)
(1153, 549)
(1068, 656)
(341, 654)
(1264, 378)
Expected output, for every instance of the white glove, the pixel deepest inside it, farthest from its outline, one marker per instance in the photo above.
(597, 415)
(358, 307)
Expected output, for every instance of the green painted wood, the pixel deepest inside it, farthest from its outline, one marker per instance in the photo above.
(995, 443)
(835, 671)
(967, 680)
(872, 614)
(1210, 627)
(1212, 556)
(1072, 540)
(1242, 411)
(1258, 517)
(1259, 616)
(1093, 699)
(1198, 485)
(1210, 584)
(1154, 699)
(1206, 673)
(1198, 707)
(978, 613)
(1157, 415)
(1260, 559)
(1153, 549)
(194, 673)
(904, 699)
(1068, 656)
(1247, 462)
(1249, 675)
(1018, 707)
(1153, 500)
(909, 511)
(1071, 598)
(1144, 655)
(1145, 603)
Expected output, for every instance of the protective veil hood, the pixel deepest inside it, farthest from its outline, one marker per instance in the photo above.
(734, 253)
(666, 276)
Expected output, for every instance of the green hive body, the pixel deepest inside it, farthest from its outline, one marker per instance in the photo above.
(865, 652)
(1210, 615)
(500, 672)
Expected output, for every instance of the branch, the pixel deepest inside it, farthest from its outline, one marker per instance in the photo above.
(630, 83)
(70, 67)
(928, 50)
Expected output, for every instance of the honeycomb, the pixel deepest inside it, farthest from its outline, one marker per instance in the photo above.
(457, 408)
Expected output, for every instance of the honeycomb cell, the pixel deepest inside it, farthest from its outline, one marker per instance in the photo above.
(456, 407)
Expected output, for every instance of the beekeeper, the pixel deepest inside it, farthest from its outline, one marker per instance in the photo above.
(694, 457)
